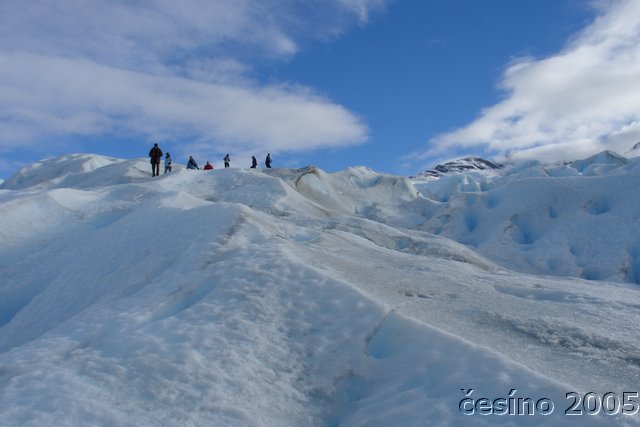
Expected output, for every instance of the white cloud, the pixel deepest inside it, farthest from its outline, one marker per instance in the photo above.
(84, 98)
(582, 100)
(167, 69)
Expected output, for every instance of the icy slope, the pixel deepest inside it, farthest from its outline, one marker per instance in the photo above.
(65, 171)
(578, 219)
(278, 298)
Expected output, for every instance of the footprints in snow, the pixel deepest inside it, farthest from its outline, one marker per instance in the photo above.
(417, 295)
(427, 295)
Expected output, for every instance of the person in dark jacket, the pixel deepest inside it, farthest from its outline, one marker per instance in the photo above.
(267, 161)
(168, 161)
(254, 162)
(191, 164)
(156, 157)
(227, 160)
(208, 167)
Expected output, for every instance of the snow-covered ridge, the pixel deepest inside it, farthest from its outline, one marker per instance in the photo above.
(284, 297)
(76, 171)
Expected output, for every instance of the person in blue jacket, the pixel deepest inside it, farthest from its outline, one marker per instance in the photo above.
(192, 163)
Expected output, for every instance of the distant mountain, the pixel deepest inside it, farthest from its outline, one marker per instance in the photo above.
(458, 166)
(635, 150)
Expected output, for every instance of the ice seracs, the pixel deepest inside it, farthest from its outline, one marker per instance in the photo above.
(570, 219)
(599, 164)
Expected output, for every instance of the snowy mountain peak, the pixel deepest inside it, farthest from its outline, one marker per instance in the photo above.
(458, 166)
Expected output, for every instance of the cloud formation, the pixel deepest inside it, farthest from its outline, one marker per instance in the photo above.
(163, 69)
(582, 100)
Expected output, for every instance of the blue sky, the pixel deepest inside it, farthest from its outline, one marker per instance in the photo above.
(396, 85)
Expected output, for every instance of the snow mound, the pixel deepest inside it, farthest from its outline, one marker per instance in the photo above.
(355, 191)
(77, 171)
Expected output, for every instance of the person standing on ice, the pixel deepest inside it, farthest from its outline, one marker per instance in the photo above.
(208, 167)
(267, 161)
(168, 161)
(191, 164)
(156, 157)
(254, 162)
(227, 160)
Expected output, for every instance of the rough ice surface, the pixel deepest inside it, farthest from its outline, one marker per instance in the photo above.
(301, 298)
(577, 219)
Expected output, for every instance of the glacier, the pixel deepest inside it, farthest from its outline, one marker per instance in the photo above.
(296, 297)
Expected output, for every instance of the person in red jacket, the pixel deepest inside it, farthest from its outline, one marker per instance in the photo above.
(208, 166)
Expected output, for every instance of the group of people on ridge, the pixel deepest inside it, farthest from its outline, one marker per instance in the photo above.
(156, 158)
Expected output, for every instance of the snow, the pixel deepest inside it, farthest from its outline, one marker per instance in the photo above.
(294, 297)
